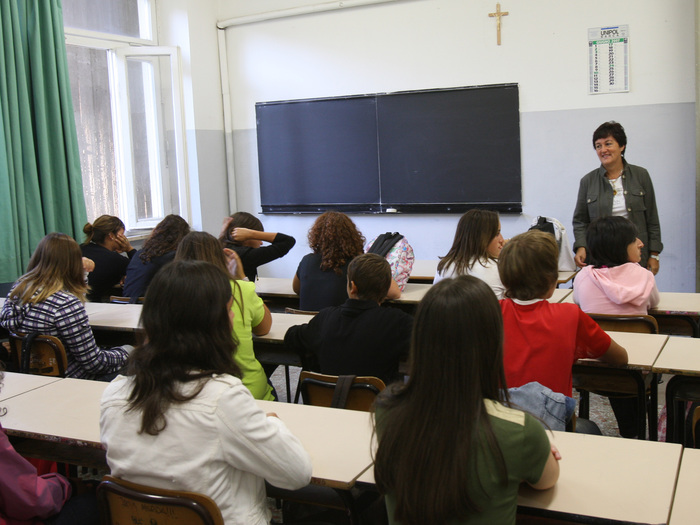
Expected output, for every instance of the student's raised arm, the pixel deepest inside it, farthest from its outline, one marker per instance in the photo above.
(615, 355)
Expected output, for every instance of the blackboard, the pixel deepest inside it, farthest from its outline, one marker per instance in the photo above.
(431, 151)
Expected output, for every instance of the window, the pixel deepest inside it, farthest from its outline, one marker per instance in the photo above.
(128, 112)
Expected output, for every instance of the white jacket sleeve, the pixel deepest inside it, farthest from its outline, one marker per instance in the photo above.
(259, 444)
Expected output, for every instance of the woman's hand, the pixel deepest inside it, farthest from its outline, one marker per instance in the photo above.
(88, 264)
(580, 257)
(243, 234)
(123, 244)
(224, 226)
(653, 265)
(233, 262)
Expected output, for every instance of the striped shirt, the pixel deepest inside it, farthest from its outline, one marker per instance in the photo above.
(63, 315)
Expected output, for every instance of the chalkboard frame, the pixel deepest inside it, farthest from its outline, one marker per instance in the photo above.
(295, 163)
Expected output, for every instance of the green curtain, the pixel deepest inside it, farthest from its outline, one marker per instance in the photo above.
(41, 188)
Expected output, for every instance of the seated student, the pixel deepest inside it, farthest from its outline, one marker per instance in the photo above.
(543, 339)
(360, 337)
(244, 234)
(450, 447)
(48, 299)
(250, 315)
(104, 243)
(321, 278)
(158, 250)
(182, 419)
(475, 250)
(613, 282)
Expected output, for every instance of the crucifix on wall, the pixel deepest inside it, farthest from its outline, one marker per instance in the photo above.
(498, 14)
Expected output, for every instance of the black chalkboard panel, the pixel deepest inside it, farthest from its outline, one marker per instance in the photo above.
(433, 151)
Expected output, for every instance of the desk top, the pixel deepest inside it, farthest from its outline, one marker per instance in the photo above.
(113, 316)
(280, 324)
(675, 303)
(642, 350)
(685, 502)
(337, 440)
(67, 410)
(606, 477)
(16, 384)
(680, 356)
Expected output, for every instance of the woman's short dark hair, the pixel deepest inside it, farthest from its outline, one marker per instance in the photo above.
(607, 239)
(371, 273)
(611, 129)
(529, 265)
(188, 338)
(240, 219)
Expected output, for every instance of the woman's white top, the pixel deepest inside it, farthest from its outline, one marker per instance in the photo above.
(486, 270)
(220, 444)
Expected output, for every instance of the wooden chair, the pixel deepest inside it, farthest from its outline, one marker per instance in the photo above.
(38, 354)
(290, 310)
(621, 382)
(125, 300)
(351, 392)
(122, 502)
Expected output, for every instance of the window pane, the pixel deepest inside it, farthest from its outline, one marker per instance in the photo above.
(129, 18)
(89, 80)
(151, 114)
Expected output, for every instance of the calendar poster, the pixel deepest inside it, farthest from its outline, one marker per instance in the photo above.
(608, 60)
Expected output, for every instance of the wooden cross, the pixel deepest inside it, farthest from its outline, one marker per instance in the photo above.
(498, 14)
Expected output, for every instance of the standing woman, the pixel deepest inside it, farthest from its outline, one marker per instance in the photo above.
(244, 234)
(183, 419)
(619, 189)
(48, 299)
(104, 242)
(457, 453)
(158, 250)
(250, 315)
(475, 250)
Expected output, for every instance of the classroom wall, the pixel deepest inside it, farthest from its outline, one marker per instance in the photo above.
(419, 44)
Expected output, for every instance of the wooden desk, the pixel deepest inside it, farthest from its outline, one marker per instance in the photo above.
(605, 478)
(642, 352)
(423, 271)
(65, 415)
(672, 303)
(685, 502)
(16, 384)
(565, 277)
(680, 357)
(560, 295)
(337, 440)
(114, 317)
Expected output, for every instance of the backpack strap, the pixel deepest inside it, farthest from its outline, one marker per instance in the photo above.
(384, 243)
(341, 391)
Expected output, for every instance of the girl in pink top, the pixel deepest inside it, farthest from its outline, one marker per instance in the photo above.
(613, 282)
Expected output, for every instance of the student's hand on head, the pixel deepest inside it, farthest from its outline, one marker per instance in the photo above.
(243, 234)
(124, 244)
(580, 257)
(224, 226)
(88, 264)
(233, 262)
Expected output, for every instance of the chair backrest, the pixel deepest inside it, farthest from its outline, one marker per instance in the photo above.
(290, 310)
(124, 502)
(125, 300)
(351, 392)
(644, 324)
(38, 354)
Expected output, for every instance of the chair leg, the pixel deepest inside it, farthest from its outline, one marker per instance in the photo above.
(584, 404)
(654, 408)
(289, 388)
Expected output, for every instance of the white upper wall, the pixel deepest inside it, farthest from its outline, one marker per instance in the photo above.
(420, 44)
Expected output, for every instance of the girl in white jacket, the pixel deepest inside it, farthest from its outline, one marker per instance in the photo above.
(183, 419)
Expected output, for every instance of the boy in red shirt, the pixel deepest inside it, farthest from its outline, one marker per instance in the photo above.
(542, 339)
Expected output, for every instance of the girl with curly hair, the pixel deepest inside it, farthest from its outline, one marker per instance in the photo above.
(321, 278)
(158, 250)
